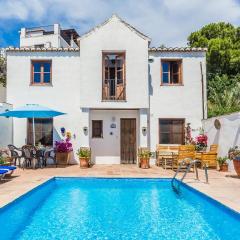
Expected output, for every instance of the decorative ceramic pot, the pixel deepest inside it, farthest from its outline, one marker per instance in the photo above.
(144, 163)
(224, 167)
(84, 162)
(236, 164)
(62, 158)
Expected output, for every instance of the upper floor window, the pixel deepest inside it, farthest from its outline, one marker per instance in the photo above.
(171, 73)
(41, 72)
(113, 76)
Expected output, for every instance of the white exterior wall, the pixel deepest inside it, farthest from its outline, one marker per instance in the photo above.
(227, 136)
(77, 89)
(54, 39)
(2, 94)
(114, 36)
(176, 101)
(63, 95)
(106, 150)
(6, 126)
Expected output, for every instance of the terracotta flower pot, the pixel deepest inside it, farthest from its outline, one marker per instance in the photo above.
(236, 164)
(144, 163)
(223, 168)
(62, 158)
(84, 162)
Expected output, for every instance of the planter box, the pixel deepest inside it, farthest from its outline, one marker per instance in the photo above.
(63, 158)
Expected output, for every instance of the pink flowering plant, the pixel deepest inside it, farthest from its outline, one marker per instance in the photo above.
(63, 146)
(201, 142)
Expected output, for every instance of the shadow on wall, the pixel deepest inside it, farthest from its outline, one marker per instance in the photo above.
(236, 139)
(216, 137)
(56, 136)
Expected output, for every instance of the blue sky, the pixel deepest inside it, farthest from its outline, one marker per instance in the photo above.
(167, 22)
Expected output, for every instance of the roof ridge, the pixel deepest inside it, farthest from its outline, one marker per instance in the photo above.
(114, 15)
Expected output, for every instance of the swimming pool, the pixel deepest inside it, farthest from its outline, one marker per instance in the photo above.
(99, 208)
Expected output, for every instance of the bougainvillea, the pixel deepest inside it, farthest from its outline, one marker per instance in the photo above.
(63, 146)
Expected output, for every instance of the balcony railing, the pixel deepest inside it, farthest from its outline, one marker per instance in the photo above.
(113, 90)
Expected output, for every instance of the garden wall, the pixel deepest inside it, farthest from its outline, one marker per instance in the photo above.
(6, 126)
(228, 134)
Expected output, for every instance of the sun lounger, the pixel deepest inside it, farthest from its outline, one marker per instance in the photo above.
(3, 172)
(9, 169)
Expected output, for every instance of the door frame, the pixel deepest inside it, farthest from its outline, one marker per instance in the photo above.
(122, 161)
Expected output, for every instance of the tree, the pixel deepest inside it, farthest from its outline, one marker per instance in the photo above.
(3, 71)
(223, 64)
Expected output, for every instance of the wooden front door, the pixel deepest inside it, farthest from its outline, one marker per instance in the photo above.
(128, 140)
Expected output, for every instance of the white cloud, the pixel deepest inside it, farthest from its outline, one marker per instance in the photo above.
(165, 21)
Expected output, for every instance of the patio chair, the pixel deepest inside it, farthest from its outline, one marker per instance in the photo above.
(29, 153)
(165, 155)
(15, 155)
(186, 152)
(210, 158)
(49, 154)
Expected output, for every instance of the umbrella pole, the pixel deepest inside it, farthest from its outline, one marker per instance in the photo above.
(33, 132)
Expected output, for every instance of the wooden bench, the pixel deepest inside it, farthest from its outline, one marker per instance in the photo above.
(165, 155)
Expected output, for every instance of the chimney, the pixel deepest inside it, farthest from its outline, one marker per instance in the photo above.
(56, 28)
(23, 33)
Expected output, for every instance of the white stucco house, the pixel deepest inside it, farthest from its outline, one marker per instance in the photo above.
(118, 93)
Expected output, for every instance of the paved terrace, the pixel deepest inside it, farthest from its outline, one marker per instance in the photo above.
(223, 188)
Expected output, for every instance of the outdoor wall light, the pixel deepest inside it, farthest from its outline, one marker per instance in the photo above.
(85, 130)
(144, 130)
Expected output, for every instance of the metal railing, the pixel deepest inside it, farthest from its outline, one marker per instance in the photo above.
(189, 163)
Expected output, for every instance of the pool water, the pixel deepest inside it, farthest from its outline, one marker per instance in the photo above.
(96, 208)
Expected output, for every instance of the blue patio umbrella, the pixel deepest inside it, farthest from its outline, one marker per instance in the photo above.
(32, 111)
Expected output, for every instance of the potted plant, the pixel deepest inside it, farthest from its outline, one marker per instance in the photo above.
(223, 166)
(63, 149)
(144, 158)
(84, 155)
(234, 155)
(201, 142)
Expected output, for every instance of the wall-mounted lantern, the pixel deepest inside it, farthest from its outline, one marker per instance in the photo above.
(144, 130)
(85, 130)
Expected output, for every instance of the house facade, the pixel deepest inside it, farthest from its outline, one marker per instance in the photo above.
(117, 92)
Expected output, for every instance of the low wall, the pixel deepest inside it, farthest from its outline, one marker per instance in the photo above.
(6, 126)
(228, 135)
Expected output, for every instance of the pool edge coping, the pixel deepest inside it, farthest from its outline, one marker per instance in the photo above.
(210, 199)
